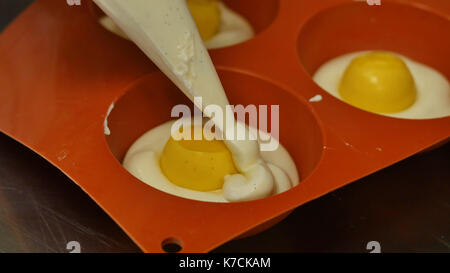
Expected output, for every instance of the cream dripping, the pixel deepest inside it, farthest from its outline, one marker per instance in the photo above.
(165, 31)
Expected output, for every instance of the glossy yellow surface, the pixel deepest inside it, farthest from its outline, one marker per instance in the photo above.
(206, 15)
(199, 165)
(378, 82)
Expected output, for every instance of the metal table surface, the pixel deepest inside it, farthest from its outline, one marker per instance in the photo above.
(406, 207)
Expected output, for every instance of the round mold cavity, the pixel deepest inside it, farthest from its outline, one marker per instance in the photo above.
(259, 13)
(148, 102)
(413, 31)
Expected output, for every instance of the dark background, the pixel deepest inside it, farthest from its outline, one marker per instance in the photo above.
(406, 207)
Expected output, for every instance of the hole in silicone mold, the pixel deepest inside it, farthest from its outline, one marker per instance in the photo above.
(148, 103)
(171, 245)
(408, 30)
(259, 13)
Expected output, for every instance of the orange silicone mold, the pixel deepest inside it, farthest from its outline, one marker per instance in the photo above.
(60, 72)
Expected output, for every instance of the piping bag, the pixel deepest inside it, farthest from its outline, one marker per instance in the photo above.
(166, 32)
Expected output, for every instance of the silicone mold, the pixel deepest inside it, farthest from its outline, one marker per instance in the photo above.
(60, 72)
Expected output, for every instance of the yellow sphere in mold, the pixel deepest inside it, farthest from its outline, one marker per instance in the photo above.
(199, 165)
(378, 82)
(206, 14)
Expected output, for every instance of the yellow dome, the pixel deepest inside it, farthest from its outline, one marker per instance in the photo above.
(199, 165)
(378, 82)
(206, 15)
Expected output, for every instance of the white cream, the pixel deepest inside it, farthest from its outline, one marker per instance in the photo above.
(109, 24)
(433, 89)
(316, 98)
(165, 31)
(142, 161)
(167, 34)
(106, 129)
(233, 29)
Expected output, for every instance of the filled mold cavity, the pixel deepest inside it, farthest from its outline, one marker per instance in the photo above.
(149, 102)
(223, 23)
(342, 47)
